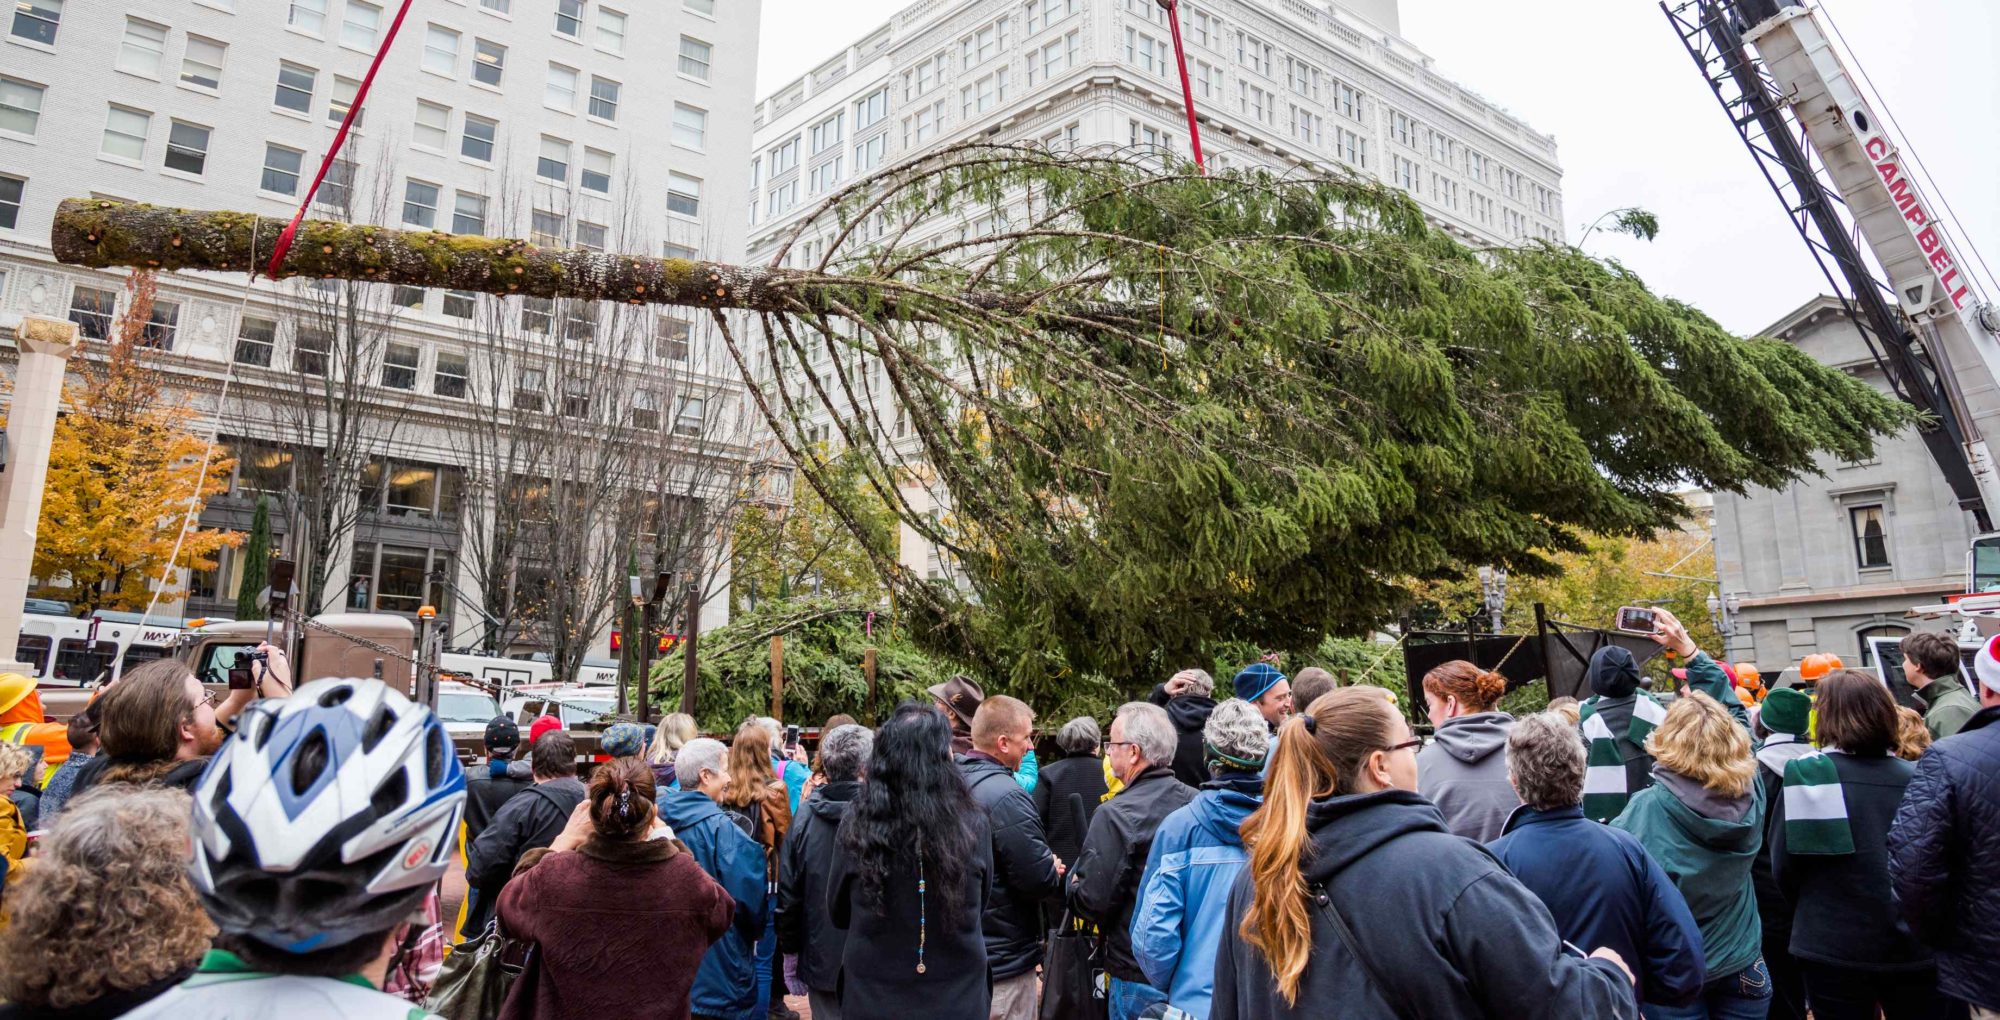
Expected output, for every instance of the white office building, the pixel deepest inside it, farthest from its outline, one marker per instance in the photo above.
(614, 124)
(1277, 83)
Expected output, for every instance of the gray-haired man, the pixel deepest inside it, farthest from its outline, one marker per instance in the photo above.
(1104, 884)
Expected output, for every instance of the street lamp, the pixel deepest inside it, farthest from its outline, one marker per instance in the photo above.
(1493, 593)
(1722, 612)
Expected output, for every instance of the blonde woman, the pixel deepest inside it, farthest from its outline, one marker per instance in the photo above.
(673, 733)
(1703, 820)
(1347, 859)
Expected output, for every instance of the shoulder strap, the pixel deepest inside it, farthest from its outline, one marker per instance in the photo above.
(1391, 993)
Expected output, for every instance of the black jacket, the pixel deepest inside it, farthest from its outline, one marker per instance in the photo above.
(531, 820)
(1024, 871)
(485, 792)
(1773, 909)
(1449, 932)
(879, 976)
(1944, 858)
(1079, 775)
(1189, 713)
(1843, 912)
(804, 927)
(1104, 881)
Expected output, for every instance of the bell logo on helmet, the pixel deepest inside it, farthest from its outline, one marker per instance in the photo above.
(419, 852)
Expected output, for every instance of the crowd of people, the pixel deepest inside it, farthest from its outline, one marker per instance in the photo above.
(1297, 849)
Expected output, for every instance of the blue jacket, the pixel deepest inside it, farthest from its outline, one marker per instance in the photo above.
(1944, 858)
(1604, 889)
(795, 776)
(726, 984)
(1184, 894)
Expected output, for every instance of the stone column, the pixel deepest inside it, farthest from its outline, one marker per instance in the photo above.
(45, 346)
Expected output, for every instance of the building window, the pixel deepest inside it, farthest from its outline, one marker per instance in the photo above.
(357, 28)
(261, 468)
(468, 214)
(604, 98)
(310, 348)
(477, 141)
(281, 170)
(307, 15)
(91, 308)
(528, 390)
(548, 229)
(683, 194)
(553, 163)
(610, 31)
(695, 56)
(924, 77)
(400, 584)
(489, 62)
(441, 51)
(1056, 57)
(983, 45)
(20, 106)
(255, 340)
(160, 326)
(538, 315)
(295, 87)
(591, 236)
(869, 110)
(984, 94)
(1043, 13)
(576, 398)
(125, 133)
(569, 18)
(341, 100)
(689, 420)
(420, 201)
(433, 126)
(646, 411)
(868, 155)
(411, 298)
(399, 366)
(690, 127)
(826, 175)
(201, 67)
(450, 378)
(498, 6)
(337, 191)
(1871, 536)
(596, 175)
(785, 158)
(11, 189)
(187, 147)
(37, 20)
(671, 338)
(458, 304)
(142, 49)
(561, 91)
(700, 6)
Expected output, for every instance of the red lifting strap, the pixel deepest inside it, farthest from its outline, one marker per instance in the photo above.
(339, 139)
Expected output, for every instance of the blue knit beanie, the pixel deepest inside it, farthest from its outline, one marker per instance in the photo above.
(1256, 679)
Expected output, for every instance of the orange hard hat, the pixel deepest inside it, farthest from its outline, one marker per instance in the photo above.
(1747, 675)
(1819, 665)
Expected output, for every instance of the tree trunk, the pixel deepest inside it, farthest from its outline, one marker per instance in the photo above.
(102, 234)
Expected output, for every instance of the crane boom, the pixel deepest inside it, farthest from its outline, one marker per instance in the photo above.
(1844, 181)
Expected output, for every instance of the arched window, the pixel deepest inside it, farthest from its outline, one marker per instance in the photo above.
(1876, 636)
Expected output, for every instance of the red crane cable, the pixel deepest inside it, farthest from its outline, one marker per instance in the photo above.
(284, 244)
(1187, 89)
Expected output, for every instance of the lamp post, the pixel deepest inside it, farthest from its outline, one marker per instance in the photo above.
(1493, 593)
(1722, 612)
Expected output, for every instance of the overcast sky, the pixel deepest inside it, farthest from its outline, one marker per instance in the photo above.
(1636, 124)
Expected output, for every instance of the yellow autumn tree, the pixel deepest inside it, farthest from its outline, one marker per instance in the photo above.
(123, 466)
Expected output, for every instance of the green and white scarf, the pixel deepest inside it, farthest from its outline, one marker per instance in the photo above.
(1605, 790)
(1816, 808)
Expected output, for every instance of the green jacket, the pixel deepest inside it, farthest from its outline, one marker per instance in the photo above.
(1947, 706)
(1708, 855)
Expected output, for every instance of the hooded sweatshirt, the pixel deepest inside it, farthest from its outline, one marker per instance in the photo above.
(1189, 714)
(805, 927)
(1184, 894)
(1422, 905)
(1464, 772)
(1707, 842)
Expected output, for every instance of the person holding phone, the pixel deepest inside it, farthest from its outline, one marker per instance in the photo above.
(1619, 716)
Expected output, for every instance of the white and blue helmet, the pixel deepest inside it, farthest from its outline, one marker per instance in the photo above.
(326, 817)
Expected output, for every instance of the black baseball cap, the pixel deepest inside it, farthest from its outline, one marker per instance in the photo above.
(502, 734)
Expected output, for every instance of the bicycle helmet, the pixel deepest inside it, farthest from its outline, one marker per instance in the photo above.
(326, 817)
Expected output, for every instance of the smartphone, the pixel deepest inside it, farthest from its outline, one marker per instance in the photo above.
(791, 736)
(1636, 620)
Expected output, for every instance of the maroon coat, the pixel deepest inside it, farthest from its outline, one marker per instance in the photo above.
(619, 931)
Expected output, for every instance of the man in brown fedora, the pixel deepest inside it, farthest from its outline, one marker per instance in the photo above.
(959, 699)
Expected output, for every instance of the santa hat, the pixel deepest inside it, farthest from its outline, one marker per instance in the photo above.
(1986, 665)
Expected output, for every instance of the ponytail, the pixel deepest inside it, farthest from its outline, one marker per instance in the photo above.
(1319, 755)
(621, 798)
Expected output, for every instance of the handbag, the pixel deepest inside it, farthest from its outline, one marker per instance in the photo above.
(1075, 982)
(476, 977)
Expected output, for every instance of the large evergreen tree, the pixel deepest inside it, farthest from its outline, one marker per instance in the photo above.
(256, 571)
(1150, 410)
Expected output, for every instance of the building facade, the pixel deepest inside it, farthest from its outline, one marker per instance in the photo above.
(618, 126)
(1827, 563)
(1277, 84)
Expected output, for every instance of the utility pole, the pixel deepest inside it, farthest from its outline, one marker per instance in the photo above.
(45, 346)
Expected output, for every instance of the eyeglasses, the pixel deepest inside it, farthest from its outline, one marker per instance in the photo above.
(209, 698)
(1417, 742)
(1109, 744)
